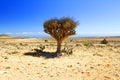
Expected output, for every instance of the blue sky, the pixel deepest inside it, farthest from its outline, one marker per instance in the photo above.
(26, 17)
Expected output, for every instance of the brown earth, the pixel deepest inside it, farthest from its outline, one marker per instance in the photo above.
(88, 62)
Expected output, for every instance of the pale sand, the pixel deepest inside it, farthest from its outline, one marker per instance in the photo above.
(98, 62)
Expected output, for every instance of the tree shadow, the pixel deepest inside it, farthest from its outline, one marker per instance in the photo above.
(39, 53)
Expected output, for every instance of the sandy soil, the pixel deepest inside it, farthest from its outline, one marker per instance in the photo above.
(94, 62)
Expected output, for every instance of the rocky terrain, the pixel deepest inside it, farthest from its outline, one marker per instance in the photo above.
(90, 60)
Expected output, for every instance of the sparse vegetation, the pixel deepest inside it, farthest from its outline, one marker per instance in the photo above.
(46, 40)
(41, 48)
(108, 45)
(52, 44)
(23, 58)
(104, 41)
(78, 44)
(71, 40)
(67, 51)
(87, 44)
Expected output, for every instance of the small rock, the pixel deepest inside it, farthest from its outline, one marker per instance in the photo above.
(107, 77)
(5, 57)
(17, 68)
(38, 73)
(82, 72)
(51, 75)
(28, 63)
(3, 72)
(78, 63)
(92, 67)
(69, 66)
(108, 65)
(7, 68)
(98, 65)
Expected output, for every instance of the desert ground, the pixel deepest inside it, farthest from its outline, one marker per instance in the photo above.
(90, 60)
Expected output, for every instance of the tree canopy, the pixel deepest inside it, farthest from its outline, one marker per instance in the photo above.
(60, 28)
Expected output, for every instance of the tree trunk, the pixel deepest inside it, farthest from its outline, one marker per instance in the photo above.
(58, 52)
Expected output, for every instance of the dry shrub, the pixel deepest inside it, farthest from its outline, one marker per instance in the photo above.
(87, 44)
(46, 40)
(41, 48)
(104, 41)
(67, 50)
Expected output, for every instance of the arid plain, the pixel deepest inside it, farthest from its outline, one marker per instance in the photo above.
(90, 60)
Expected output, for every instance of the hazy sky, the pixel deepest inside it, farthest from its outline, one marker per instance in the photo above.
(26, 17)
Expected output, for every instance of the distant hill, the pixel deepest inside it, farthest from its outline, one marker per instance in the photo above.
(4, 36)
(1, 35)
(10, 37)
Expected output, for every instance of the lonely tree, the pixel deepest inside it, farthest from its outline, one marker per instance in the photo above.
(60, 29)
